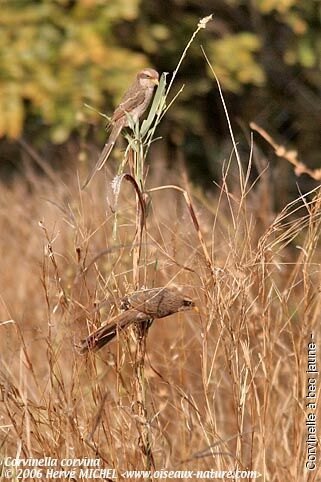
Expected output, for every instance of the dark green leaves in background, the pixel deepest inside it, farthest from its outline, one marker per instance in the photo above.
(56, 55)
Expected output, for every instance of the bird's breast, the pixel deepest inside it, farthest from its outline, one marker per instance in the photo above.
(140, 108)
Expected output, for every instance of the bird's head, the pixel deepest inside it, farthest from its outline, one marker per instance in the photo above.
(148, 78)
(187, 304)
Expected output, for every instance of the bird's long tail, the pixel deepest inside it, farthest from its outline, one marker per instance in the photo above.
(108, 147)
(106, 333)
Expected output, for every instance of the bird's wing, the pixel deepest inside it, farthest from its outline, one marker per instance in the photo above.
(106, 333)
(131, 100)
(157, 302)
(148, 301)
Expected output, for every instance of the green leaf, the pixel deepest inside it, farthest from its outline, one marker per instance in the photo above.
(157, 106)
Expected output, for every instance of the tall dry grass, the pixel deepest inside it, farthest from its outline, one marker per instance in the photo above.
(225, 388)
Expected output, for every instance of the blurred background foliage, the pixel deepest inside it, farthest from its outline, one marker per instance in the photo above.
(57, 55)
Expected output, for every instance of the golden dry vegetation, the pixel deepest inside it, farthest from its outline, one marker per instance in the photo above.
(223, 388)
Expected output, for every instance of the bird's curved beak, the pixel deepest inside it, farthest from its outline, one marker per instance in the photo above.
(155, 81)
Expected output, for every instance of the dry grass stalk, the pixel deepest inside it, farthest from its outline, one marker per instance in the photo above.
(230, 375)
(290, 156)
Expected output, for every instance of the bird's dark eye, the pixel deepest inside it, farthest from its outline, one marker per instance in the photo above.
(145, 76)
(188, 303)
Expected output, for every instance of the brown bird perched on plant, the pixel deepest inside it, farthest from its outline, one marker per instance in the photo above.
(134, 103)
(140, 306)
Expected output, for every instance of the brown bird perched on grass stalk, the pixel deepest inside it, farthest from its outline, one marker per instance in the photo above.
(133, 104)
(140, 306)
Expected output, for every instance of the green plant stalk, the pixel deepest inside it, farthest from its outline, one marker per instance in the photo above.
(136, 153)
(143, 425)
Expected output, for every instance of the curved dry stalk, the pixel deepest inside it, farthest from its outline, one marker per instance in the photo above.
(195, 223)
